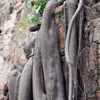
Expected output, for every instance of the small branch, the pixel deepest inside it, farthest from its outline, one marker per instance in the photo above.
(86, 6)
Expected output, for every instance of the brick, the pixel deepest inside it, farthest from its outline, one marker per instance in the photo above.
(62, 36)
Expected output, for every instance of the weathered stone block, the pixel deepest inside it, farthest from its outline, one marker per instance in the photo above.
(95, 11)
(96, 35)
(89, 29)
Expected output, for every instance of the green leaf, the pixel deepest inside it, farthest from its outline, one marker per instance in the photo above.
(37, 10)
(33, 11)
(35, 20)
(31, 18)
(30, 7)
(29, 2)
(42, 7)
(44, 1)
(36, 7)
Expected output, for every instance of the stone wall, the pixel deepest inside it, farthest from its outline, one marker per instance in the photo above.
(90, 57)
(14, 32)
(91, 66)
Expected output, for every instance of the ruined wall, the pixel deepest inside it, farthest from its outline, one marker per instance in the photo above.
(14, 32)
(90, 56)
(91, 41)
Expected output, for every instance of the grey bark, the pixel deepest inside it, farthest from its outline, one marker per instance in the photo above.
(25, 88)
(18, 66)
(34, 27)
(71, 46)
(48, 81)
(66, 27)
(28, 48)
(13, 84)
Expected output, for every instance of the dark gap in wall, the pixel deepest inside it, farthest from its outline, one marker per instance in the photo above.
(0, 31)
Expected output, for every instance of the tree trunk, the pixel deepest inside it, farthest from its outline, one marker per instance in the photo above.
(48, 81)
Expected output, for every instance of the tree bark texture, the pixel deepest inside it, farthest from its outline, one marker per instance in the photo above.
(48, 83)
(71, 48)
(29, 46)
(25, 87)
(13, 84)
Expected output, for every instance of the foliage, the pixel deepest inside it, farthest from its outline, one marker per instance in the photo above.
(38, 11)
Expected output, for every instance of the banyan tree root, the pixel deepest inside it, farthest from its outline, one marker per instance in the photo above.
(13, 84)
(29, 46)
(25, 87)
(71, 45)
(48, 83)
